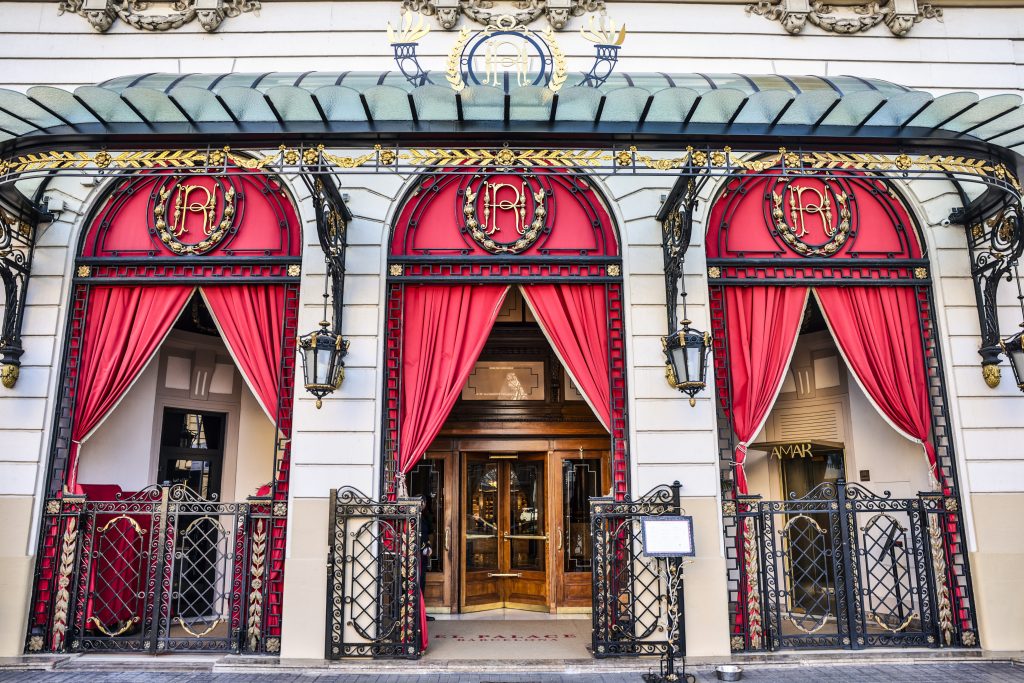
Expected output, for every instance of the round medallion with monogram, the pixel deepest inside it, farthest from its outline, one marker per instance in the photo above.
(811, 214)
(505, 213)
(193, 214)
(833, 214)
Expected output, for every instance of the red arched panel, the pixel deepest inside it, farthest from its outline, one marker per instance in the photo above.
(234, 214)
(838, 215)
(525, 212)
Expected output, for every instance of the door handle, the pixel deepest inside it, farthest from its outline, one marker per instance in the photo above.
(447, 535)
(559, 539)
(524, 537)
(493, 575)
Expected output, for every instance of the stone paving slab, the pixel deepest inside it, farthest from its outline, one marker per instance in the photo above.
(854, 672)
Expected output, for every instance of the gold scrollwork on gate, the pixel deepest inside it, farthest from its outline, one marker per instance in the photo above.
(117, 632)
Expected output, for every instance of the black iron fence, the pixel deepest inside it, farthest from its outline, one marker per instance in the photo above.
(843, 568)
(631, 611)
(155, 571)
(373, 589)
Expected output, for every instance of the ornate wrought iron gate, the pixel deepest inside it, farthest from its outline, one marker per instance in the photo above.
(630, 612)
(159, 570)
(843, 568)
(373, 606)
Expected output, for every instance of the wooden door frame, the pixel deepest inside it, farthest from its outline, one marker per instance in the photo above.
(453, 450)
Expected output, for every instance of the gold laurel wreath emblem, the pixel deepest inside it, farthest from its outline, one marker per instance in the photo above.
(478, 233)
(788, 233)
(218, 231)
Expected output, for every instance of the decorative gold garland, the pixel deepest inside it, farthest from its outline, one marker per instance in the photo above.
(199, 160)
(259, 548)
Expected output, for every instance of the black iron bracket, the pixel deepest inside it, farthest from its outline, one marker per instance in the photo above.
(995, 240)
(676, 218)
(17, 245)
(332, 221)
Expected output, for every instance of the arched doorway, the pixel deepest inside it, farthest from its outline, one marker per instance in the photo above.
(164, 524)
(508, 442)
(841, 506)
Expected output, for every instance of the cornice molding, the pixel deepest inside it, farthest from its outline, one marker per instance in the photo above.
(496, 13)
(157, 16)
(899, 15)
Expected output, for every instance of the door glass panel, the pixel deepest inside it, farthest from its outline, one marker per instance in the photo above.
(427, 480)
(481, 516)
(194, 474)
(581, 481)
(526, 515)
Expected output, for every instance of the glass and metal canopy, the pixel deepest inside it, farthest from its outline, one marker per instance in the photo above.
(379, 106)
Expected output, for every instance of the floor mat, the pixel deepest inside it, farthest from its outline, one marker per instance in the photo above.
(519, 639)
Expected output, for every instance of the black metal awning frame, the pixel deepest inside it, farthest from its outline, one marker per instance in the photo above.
(691, 154)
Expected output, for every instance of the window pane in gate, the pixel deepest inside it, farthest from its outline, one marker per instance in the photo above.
(481, 516)
(581, 481)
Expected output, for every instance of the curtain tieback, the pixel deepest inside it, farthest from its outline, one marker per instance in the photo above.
(400, 489)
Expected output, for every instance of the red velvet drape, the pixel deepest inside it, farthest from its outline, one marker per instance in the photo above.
(444, 329)
(878, 330)
(574, 318)
(250, 318)
(761, 324)
(124, 326)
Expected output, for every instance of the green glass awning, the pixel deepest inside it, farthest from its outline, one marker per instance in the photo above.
(627, 105)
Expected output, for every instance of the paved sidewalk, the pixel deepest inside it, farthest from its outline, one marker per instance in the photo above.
(990, 672)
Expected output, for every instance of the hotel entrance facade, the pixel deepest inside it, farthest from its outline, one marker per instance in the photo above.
(397, 363)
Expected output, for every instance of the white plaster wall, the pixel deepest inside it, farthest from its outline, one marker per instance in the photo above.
(121, 450)
(975, 48)
(896, 463)
(254, 462)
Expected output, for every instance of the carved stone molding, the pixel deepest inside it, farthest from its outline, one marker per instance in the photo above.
(157, 16)
(899, 15)
(497, 13)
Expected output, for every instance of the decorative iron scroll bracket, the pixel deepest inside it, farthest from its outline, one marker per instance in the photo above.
(899, 15)
(17, 244)
(484, 12)
(676, 218)
(995, 243)
(332, 220)
(101, 14)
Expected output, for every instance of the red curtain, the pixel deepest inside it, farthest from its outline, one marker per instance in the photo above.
(761, 324)
(250, 318)
(444, 328)
(124, 326)
(878, 330)
(574, 318)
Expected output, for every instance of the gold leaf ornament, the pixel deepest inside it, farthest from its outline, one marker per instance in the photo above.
(453, 70)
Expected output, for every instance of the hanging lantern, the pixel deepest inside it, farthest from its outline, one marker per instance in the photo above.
(1014, 350)
(323, 366)
(686, 355)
